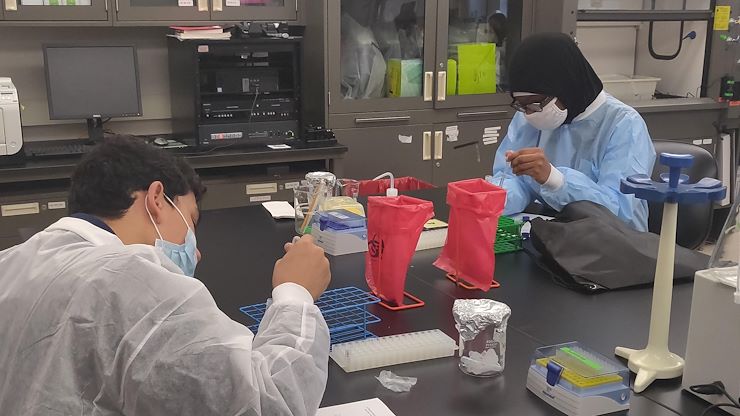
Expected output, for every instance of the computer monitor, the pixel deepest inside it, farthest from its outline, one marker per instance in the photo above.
(92, 82)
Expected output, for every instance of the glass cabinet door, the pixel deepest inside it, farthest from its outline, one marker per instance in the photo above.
(162, 10)
(644, 4)
(381, 54)
(257, 9)
(55, 10)
(475, 39)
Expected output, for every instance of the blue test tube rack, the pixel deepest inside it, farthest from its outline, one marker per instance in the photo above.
(344, 310)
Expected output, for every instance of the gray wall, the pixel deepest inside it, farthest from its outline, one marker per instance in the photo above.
(21, 58)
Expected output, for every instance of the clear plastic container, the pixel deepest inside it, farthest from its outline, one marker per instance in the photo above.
(348, 188)
(307, 200)
(723, 266)
(630, 87)
(345, 196)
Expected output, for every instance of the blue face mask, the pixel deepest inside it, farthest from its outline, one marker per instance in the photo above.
(183, 255)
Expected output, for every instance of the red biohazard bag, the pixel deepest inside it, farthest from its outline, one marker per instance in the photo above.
(379, 186)
(475, 207)
(394, 225)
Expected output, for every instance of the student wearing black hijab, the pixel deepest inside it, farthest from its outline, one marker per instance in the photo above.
(569, 140)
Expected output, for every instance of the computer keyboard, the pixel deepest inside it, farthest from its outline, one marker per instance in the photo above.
(55, 150)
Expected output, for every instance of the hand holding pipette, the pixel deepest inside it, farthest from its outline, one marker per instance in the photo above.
(530, 161)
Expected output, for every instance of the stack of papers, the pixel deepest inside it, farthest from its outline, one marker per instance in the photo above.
(200, 33)
(279, 209)
(372, 407)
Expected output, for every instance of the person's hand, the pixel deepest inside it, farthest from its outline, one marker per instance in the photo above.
(304, 264)
(530, 161)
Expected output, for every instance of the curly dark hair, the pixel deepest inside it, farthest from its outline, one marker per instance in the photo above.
(106, 178)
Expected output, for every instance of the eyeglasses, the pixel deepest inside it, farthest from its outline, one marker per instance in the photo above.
(531, 107)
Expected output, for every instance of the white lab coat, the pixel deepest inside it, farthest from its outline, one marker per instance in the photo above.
(89, 326)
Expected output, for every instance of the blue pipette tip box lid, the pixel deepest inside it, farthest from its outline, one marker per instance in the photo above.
(341, 219)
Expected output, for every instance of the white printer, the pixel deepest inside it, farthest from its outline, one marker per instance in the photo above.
(11, 138)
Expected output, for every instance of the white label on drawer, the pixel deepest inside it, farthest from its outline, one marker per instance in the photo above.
(263, 198)
(19, 209)
(203, 48)
(233, 3)
(292, 185)
(707, 141)
(57, 205)
(262, 188)
(452, 133)
(405, 139)
(697, 142)
(185, 3)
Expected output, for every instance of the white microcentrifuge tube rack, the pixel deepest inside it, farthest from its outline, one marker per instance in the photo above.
(392, 350)
(656, 361)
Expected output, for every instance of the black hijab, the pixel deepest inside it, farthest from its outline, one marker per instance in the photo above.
(551, 64)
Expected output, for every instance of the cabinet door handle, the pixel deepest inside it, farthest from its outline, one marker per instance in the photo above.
(428, 85)
(218, 5)
(11, 5)
(482, 113)
(202, 5)
(438, 135)
(426, 151)
(441, 85)
(382, 119)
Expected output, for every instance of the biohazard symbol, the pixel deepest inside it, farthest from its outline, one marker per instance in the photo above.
(376, 247)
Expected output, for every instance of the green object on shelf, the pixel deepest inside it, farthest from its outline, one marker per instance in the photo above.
(404, 77)
(508, 236)
(451, 77)
(476, 68)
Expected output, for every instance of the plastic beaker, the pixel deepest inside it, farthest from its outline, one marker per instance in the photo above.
(307, 202)
(347, 187)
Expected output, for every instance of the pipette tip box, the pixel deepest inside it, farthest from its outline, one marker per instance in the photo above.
(579, 381)
(340, 232)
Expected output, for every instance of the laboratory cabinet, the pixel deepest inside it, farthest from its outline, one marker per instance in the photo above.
(146, 12)
(241, 10)
(206, 10)
(419, 54)
(467, 149)
(379, 67)
(55, 10)
(163, 10)
(436, 153)
(404, 150)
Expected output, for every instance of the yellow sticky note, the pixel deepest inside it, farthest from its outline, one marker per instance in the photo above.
(722, 17)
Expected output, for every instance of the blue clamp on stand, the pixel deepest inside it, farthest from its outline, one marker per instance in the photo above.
(656, 361)
(674, 187)
(554, 371)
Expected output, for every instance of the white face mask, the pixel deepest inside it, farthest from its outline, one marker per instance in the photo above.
(550, 118)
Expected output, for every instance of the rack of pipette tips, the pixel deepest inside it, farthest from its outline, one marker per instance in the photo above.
(578, 381)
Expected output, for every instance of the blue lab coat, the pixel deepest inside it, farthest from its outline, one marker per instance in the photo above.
(593, 154)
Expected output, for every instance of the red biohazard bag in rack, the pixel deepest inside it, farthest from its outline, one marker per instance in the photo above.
(394, 225)
(468, 254)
